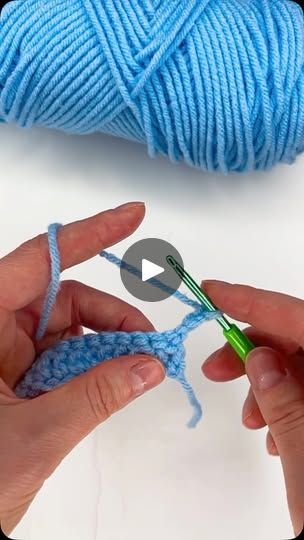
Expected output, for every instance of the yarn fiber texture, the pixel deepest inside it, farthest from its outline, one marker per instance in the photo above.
(69, 358)
(218, 84)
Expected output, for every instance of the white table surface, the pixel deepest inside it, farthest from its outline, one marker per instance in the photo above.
(144, 474)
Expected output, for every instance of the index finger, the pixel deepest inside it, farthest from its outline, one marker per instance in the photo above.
(271, 312)
(25, 272)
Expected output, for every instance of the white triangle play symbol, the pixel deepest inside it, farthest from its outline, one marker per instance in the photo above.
(150, 270)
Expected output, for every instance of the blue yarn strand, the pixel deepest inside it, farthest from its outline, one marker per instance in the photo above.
(218, 84)
(153, 281)
(54, 283)
(70, 358)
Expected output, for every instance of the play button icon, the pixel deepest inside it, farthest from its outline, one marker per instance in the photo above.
(150, 270)
(148, 256)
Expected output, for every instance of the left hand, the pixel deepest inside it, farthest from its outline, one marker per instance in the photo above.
(37, 434)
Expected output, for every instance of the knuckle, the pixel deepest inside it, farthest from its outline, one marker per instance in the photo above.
(102, 397)
(40, 248)
(36, 247)
(71, 291)
(286, 422)
(102, 233)
(254, 305)
(69, 284)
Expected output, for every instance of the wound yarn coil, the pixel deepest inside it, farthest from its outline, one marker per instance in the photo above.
(69, 358)
(218, 84)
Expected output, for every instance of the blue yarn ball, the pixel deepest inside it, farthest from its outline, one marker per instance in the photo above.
(218, 84)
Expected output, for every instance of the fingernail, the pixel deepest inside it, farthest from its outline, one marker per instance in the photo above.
(264, 368)
(211, 282)
(130, 205)
(214, 282)
(146, 375)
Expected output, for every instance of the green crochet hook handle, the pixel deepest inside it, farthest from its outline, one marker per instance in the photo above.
(237, 339)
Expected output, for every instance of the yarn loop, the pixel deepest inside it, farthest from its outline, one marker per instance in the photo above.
(218, 84)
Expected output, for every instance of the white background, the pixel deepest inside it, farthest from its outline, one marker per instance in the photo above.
(144, 474)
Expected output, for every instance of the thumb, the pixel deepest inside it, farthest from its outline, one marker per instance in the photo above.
(280, 397)
(66, 415)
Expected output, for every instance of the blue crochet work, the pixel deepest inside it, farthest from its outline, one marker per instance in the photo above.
(218, 84)
(74, 356)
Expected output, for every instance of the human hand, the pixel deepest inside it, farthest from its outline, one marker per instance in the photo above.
(276, 374)
(37, 434)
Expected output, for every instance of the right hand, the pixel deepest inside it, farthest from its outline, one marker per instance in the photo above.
(276, 373)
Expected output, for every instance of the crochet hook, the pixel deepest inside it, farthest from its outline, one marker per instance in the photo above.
(237, 339)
